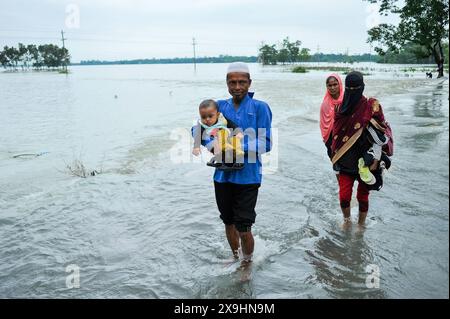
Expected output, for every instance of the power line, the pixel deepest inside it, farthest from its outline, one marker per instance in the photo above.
(318, 56)
(75, 37)
(78, 39)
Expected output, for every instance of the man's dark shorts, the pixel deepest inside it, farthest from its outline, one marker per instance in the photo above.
(236, 204)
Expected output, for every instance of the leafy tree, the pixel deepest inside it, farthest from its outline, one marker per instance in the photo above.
(268, 54)
(64, 57)
(12, 54)
(4, 60)
(51, 55)
(305, 55)
(33, 58)
(422, 22)
(21, 53)
(288, 52)
(292, 49)
(410, 53)
(283, 56)
(47, 55)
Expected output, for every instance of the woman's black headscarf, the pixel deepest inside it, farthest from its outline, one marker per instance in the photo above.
(354, 88)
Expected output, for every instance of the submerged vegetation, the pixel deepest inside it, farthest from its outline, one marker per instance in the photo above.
(342, 69)
(219, 59)
(78, 169)
(42, 57)
(287, 52)
(299, 69)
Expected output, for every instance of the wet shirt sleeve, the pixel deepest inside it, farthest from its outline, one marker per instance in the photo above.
(263, 142)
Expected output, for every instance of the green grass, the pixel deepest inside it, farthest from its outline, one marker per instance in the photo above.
(328, 68)
(299, 69)
(413, 69)
(343, 69)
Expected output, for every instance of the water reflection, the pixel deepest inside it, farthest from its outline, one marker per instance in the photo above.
(340, 260)
(429, 119)
(429, 105)
(229, 286)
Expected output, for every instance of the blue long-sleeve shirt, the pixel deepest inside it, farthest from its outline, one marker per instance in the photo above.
(255, 119)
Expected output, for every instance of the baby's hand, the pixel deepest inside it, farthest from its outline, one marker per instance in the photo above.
(196, 151)
(240, 135)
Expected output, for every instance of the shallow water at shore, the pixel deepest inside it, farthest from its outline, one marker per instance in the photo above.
(147, 227)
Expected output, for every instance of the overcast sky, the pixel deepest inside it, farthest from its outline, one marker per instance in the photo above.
(130, 29)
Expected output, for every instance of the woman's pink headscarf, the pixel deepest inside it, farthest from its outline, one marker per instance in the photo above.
(328, 108)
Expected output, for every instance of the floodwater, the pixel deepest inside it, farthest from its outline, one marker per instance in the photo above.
(147, 225)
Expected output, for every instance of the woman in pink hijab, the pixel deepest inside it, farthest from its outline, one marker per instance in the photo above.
(331, 102)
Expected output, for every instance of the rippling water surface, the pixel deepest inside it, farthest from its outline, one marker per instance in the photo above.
(147, 226)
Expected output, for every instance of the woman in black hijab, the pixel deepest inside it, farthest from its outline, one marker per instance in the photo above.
(350, 142)
(354, 88)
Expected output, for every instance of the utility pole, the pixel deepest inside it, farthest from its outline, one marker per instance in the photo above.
(63, 43)
(194, 43)
(318, 56)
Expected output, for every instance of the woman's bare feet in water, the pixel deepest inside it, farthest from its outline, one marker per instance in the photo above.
(361, 229)
(362, 218)
(347, 224)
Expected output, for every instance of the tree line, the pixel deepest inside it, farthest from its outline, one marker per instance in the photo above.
(321, 57)
(219, 59)
(344, 58)
(285, 52)
(46, 56)
(407, 55)
(412, 53)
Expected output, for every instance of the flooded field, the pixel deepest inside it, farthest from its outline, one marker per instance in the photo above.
(147, 225)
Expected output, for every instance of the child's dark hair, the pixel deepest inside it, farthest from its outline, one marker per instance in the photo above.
(208, 103)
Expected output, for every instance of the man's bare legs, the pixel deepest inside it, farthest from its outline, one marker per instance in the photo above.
(246, 240)
(248, 245)
(233, 239)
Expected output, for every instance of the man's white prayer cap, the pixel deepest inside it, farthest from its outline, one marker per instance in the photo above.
(238, 67)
